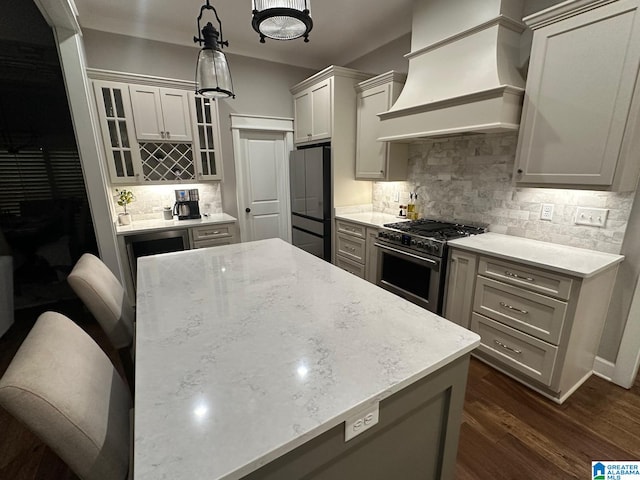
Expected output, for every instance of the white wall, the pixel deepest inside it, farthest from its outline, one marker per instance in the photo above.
(261, 87)
(386, 58)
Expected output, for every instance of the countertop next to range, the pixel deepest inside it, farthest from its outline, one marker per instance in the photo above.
(578, 262)
(143, 226)
(370, 219)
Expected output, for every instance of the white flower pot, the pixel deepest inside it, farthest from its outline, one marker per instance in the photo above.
(124, 218)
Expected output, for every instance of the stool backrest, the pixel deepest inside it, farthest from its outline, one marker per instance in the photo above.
(63, 387)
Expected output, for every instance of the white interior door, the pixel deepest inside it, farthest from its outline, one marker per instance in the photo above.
(262, 169)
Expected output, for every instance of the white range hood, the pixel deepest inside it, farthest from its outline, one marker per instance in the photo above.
(464, 73)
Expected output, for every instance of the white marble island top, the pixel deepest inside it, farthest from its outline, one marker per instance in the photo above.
(141, 226)
(560, 258)
(246, 351)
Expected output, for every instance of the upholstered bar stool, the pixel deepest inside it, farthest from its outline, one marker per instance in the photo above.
(63, 387)
(107, 300)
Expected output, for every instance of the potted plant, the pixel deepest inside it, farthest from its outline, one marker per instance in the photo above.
(125, 197)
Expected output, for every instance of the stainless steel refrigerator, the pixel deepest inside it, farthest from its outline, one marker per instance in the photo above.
(310, 181)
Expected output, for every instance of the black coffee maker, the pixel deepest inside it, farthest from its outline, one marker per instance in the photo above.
(186, 206)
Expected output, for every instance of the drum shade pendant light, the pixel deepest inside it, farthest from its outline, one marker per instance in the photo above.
(282, 19)
(213, 78)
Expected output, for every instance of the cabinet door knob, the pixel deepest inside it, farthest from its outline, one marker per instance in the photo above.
(520, 170)
(248, 210)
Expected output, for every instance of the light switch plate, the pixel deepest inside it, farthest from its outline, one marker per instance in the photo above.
(593, 217)
(361, 421)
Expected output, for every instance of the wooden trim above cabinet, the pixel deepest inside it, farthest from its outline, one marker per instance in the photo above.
(329, 72)
(135, 78)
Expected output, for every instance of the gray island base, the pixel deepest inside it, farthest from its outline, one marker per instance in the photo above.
(416, 439)
(251, 359)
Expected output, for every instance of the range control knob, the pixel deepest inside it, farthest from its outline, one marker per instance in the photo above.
(420, 244)
(413, 241)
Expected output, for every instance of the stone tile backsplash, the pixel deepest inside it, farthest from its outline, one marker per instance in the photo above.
(469, 179)
(150, 199)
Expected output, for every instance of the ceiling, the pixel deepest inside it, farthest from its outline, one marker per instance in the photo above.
(343, 31)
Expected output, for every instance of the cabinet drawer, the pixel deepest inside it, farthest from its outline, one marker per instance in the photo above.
(531, 278)
(214, 242)
(522, 352)
(350, 266)
(213, 231)
(529, 312)
(352, 248)
(351, 229)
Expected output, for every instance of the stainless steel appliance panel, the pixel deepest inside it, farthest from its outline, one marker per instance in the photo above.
(310, 185)
(308, 242)
(297, 182)
(417, 278)
(141, 245)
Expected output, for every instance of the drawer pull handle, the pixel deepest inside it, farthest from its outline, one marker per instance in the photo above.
(515, 275)
(511, 307)
(507, 347)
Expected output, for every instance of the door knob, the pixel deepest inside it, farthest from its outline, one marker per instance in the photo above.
(248, 210)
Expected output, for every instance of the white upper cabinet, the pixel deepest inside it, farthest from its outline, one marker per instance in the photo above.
(116, 122)
(313, 113)
(206, 144)
(580, 124)
(160, 114)
(378, 160)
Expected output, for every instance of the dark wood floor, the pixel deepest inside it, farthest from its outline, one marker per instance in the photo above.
(508, 431)
(511, 432)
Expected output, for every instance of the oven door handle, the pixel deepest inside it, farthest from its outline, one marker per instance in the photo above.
(417, 257)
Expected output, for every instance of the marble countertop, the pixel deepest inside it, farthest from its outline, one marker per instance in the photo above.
(244, 352)
(370, 219)
(579, 262)
(141, 226)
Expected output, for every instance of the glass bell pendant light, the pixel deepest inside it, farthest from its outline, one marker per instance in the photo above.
(213, 78)
(282, 19)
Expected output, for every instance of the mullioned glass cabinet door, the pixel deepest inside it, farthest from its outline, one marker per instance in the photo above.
(206, 141)
(115, 116)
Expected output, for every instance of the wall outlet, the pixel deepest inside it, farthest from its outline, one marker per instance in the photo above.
(546, 213)
(361, 422)
(593, 217)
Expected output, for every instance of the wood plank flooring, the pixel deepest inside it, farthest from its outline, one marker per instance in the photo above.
(508, 431)
(511, 432)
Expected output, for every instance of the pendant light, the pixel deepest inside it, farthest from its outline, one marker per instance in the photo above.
(282, 19)
(213, 78)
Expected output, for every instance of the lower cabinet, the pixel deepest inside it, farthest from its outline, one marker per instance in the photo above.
(538, 326)
(355, 249)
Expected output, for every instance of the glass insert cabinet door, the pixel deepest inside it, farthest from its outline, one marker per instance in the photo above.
(116, 123)
(206, 144)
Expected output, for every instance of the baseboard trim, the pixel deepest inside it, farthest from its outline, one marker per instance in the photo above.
(604, 368)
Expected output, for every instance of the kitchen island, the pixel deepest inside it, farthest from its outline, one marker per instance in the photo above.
(251, 358)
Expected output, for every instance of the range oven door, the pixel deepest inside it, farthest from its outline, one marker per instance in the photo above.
(416, 277)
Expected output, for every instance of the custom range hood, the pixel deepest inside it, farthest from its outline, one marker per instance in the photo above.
(464, 74)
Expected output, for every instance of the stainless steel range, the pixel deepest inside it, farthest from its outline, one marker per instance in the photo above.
(412, 258)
